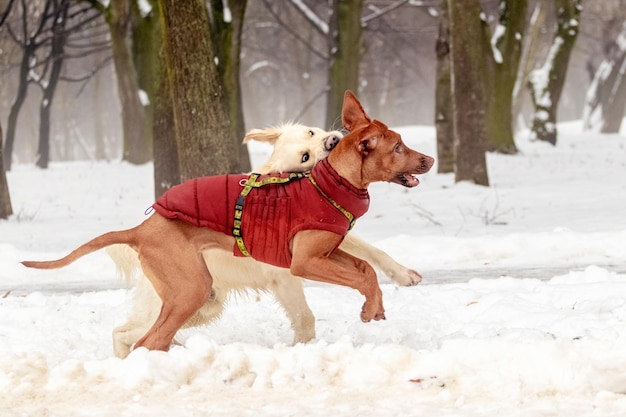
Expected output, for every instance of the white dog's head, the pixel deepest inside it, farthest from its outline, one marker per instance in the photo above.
(296, 147)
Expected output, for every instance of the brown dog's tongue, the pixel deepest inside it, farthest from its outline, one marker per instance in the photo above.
(411, 180)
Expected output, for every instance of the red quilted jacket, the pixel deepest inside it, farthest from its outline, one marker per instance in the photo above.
(272, 214)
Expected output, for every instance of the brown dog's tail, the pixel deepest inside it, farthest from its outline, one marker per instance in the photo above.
(102, 241)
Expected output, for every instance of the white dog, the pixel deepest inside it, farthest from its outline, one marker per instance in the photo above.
(296, 149)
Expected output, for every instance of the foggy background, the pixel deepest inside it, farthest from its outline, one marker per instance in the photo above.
(284, 75)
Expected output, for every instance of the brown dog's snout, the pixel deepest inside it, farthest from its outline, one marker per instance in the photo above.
(330, 142)
(426, 163)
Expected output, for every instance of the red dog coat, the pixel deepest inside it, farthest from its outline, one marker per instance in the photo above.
(272, 214)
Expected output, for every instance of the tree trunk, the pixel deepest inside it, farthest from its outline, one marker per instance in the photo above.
(226, 35)
(443, 96)
(345, 49)
(546, 83)
(22, 90)
(56, 55)
(98, 127)
(137, 149)
(507, 50)
(469, 96)
(5, 199)
(529, 56)
(203, 130)
(614, 109)
(166, 170)
(606, 97)
(145, 34)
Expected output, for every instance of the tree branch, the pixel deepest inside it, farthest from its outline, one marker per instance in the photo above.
(382, 11)
(318, 24)
(5, 13)
(293, 32)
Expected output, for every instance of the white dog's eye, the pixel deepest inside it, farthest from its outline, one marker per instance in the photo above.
(311, 133)
(305, 157)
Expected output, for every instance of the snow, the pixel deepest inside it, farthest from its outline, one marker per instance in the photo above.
(260, 65)
(522, 311)
(497, 36)
(539, 78)
(145, 8)
(144, 98)
(228, 17)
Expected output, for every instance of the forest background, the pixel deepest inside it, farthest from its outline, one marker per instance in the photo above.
(178, 83)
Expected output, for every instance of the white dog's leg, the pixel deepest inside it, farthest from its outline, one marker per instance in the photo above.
(210, 311)
(359, 248)
(143, 315)
(289, 293)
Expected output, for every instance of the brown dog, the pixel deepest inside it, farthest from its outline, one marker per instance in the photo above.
(170, 248)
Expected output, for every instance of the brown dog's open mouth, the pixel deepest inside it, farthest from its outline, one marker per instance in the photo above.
(406, 179)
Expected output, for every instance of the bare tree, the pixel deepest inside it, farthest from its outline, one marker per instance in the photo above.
(202, 126)
(506, 45)
(529, 55)
(606, 97)
(58, 37)
(137, 137)
(226, 29)
(42, 35)
(166, 167)
(546, 83)
(444, 122)
(5, 198)
(469, 94)
(345, 50)
(149, 58)
(6, 209)
(28, 42)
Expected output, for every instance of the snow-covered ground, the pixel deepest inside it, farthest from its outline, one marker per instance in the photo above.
(522, 311)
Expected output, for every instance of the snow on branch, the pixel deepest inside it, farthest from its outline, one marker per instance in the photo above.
(379, 11)
(310, 15)
(498, 34)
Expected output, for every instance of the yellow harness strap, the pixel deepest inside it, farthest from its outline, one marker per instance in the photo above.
(251, 183)
(343, 211)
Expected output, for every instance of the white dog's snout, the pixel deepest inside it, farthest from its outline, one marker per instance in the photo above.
(330, 142)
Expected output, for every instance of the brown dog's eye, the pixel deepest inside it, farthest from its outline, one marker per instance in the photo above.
(305, 157)
(311, 133)
(398, 148)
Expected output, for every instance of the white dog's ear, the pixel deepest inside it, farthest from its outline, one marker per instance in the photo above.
(269, 135)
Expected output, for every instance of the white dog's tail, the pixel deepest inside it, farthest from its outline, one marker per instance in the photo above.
(102, 241)
(126, 262)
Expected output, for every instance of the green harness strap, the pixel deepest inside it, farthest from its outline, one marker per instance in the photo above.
(252, 182)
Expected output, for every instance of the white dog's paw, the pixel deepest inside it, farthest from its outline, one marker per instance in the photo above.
(405, 277)
(414, 277)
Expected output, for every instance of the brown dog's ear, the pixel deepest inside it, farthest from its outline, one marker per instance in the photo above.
(369, 136)
(269, 135)
(367, 144)
(352, 113)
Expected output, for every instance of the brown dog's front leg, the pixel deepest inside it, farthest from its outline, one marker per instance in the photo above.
(314, 257)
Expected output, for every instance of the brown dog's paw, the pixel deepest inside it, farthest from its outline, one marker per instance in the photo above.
(376, 314)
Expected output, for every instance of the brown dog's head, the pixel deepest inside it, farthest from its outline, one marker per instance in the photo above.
(296, 147)
(371, 152)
